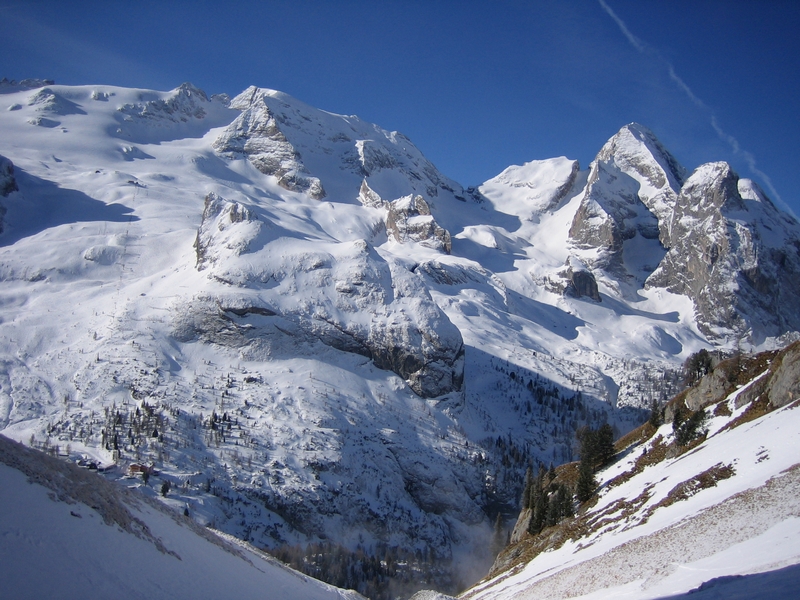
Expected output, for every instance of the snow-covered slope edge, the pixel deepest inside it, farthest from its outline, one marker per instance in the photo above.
(68, 533)
(669, 519)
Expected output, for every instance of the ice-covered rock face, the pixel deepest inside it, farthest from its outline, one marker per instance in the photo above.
(735, 255)
(343, 294)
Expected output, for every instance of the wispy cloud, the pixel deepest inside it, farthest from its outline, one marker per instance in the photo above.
(644, 48)
(635, 41)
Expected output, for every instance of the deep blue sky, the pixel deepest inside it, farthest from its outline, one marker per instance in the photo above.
(476, 85)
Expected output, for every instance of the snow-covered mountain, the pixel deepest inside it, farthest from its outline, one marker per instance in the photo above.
(716, 515)
(319, 337)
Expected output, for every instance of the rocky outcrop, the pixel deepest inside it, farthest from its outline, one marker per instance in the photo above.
(410, 220)
(256, 134)
(344, 295)
(737, 258)
(217, 235)
(368, 197)
(8, 184)
(631, 191)
(784, 387)
(583, 284)
(712, 237)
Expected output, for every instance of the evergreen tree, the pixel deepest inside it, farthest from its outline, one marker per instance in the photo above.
(697, 365)
(586, 483)
(526, 493)
(588, 440)
(553, 511)
(656, 415)
(691, 428)
(605, 443)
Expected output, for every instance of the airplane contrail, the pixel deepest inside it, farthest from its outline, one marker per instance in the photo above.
(644, 48)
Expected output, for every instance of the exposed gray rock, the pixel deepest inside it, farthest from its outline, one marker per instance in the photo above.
(737, 258)
(711, 388)
(583, 284)
(8, 184)
(368, 197)
(218, 215)
(631, 190)
(257, 135)
(784, 386)
(410, 220)
(521, 526)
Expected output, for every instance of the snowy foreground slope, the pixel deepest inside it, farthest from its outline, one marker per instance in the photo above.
(317, 337)
(722, 515)
(67, 533)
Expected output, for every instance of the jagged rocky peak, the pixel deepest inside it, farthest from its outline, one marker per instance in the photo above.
(328, 155)
(409, 219)
(735, 255)
(368, 197)
(632, 189)
(257, 135)
(635, 151)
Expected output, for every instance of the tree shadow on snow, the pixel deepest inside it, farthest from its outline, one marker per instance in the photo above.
(41, 204)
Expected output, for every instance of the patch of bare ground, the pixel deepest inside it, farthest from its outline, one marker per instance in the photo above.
(635, 437)
(690, 487)
(654, 455)
(758, 408)
(722, 410)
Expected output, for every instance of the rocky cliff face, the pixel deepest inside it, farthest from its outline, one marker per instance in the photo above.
(631, 193)
(257, 135)
(327, 155)
(409, 219)
(712, 237)
(734, 254)
(8, 184)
